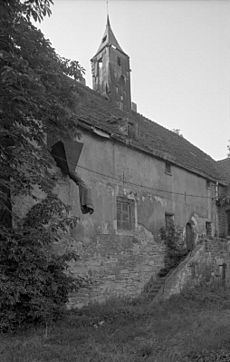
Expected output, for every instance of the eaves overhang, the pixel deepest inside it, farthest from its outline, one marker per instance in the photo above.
(151, 152)
(108, 46)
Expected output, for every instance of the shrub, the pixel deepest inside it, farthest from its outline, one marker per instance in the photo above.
(175, 251)
(38, 97)
(34, 282)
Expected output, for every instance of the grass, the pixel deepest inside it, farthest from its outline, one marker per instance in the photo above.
(190, 327)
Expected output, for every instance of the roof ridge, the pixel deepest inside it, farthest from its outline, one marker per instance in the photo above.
(152, 135)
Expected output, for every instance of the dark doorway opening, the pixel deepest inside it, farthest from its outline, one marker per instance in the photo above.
(228, 222)
(189, 237)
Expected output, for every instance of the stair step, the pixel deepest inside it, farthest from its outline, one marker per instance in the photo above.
(155, 289)
(157, 284)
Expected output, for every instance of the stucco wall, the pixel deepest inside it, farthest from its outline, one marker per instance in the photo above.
(181, 193)
(121, 262)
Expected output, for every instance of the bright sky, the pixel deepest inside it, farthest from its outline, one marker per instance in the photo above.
(179, 53)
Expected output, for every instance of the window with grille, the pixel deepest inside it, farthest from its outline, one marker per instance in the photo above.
(125, 213)
(208, 228)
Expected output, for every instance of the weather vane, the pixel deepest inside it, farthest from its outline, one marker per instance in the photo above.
(107, 7)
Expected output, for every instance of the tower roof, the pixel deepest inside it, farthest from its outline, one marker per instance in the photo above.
(109, 39)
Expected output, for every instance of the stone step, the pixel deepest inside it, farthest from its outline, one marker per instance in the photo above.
(156, 287)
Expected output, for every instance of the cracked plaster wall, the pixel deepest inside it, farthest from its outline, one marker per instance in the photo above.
(121, 262)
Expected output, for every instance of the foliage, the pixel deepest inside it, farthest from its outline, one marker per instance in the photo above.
(228, 148)
(34, 282)
(175, 251)
(180, 330)
(37, 96)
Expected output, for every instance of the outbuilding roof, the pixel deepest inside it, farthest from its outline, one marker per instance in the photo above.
(224, 169)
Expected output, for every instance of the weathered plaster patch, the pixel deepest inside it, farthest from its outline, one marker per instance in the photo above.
(161, 201)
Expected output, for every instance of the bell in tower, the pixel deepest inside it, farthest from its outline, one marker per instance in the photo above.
(111, 70)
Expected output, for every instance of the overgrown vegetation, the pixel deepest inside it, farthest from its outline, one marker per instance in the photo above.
(34, 282)
(175, 249)
(37, 96)
(192, 327)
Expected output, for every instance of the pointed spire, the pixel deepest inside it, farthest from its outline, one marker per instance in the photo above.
(108, 22)
(109, 38)
(107, 8)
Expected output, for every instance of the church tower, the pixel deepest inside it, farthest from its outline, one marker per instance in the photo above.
(111, 71)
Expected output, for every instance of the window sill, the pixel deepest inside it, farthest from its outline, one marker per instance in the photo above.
(168, 173)
(124, 232)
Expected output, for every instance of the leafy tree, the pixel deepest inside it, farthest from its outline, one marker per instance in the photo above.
(37, 95)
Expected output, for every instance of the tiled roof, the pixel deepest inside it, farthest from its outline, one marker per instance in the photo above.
(224, 169)
(95, 111)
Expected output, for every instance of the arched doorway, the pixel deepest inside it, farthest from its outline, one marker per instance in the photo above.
(228, 222)
(189, 237)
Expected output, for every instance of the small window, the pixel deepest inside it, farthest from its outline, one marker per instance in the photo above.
(217, 191)
(208, 226)
(228, 222)
(122, 80)
(168, 168)
(119, 61)
(100, 66)
(169, 220)
(104, 39)
(208, 184)
(125, 213)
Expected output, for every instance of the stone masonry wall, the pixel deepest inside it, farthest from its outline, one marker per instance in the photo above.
(117, 265)
(208, 263)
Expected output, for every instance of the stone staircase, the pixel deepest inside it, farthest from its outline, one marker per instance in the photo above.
(204, 262)
(152, 288)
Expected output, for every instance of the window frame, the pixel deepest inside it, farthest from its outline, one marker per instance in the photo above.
(208, 228)
(169, 219)
(227, 213)
(168, 168)
(125, 209)
(208, 184)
